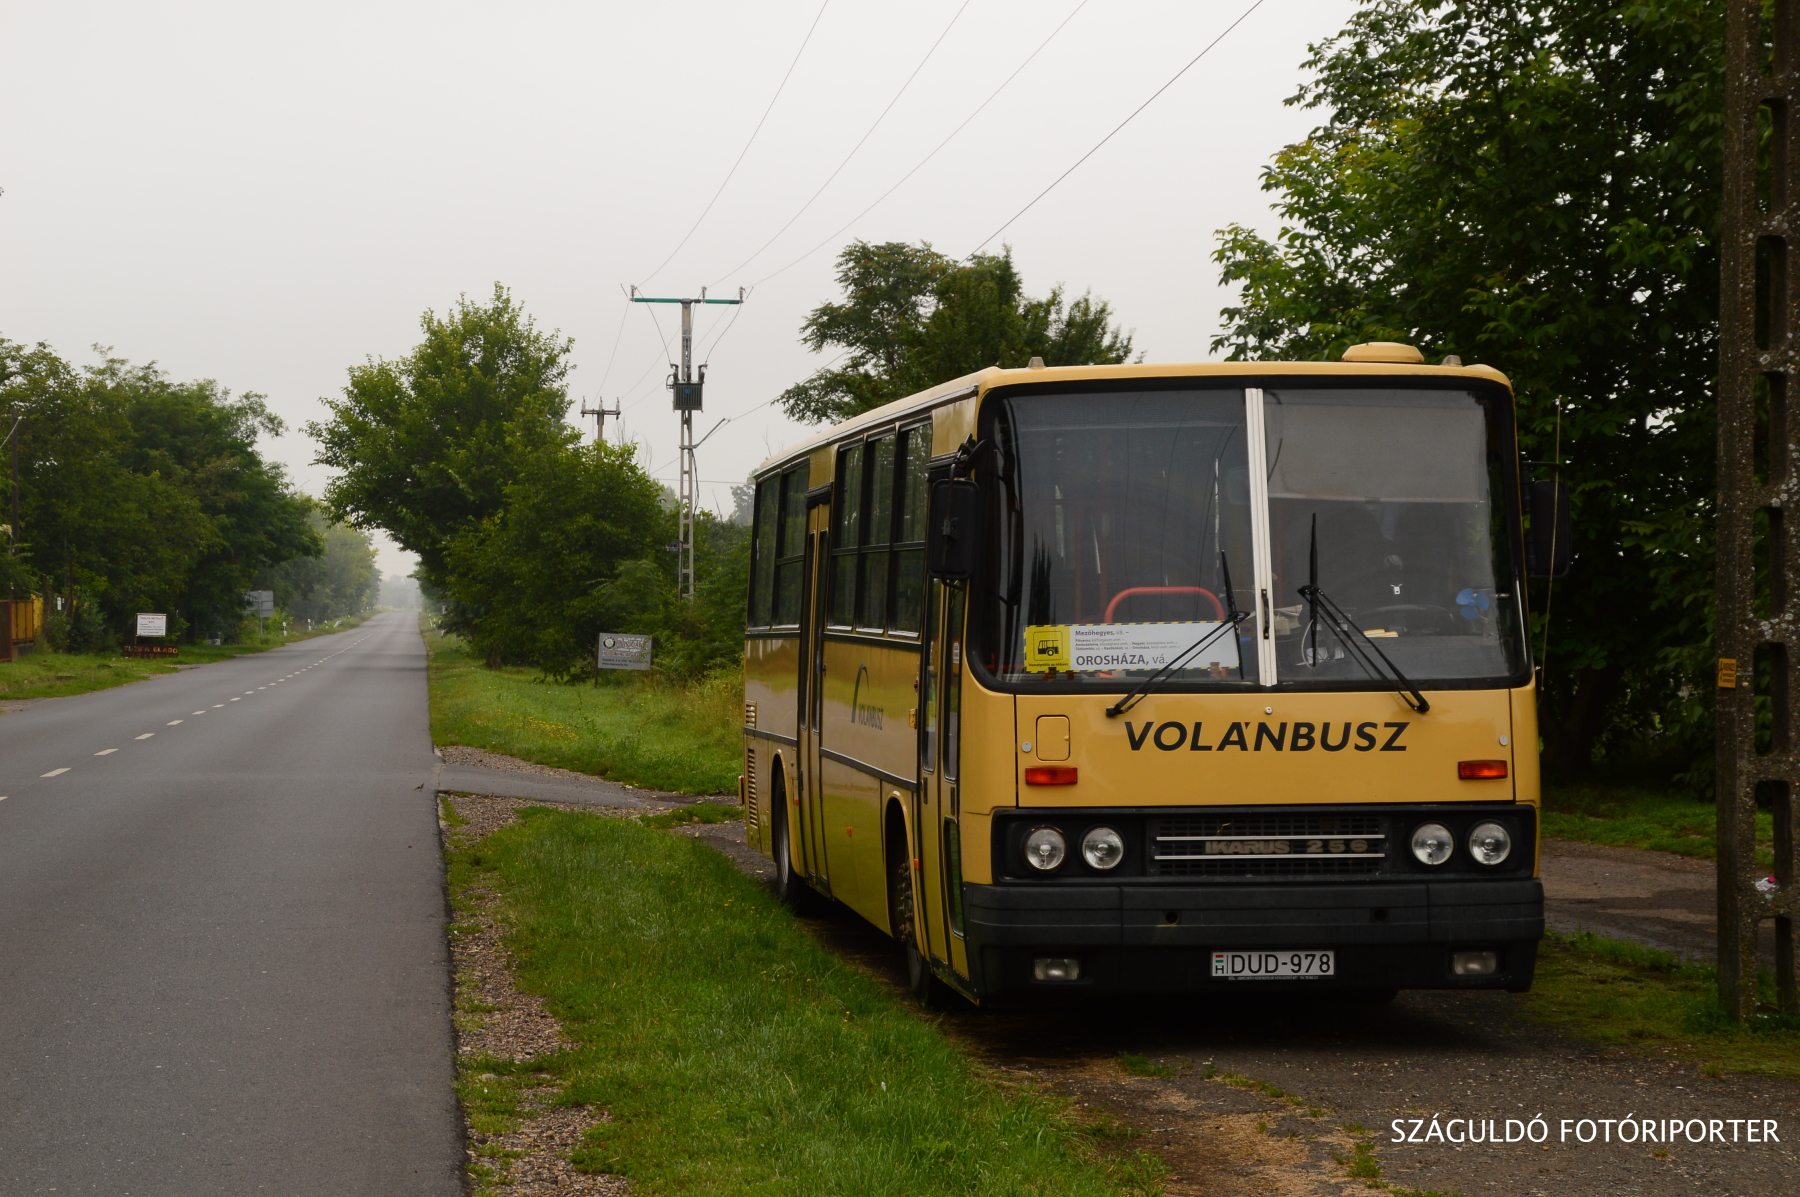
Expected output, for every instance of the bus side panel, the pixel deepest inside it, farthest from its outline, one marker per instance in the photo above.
(870, 689)
(1525, 752)
(771, 683)
(852, 835)
(987, 778)
(951, 425)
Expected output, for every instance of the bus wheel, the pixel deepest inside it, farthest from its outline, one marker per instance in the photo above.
(790, 886)
(930, 991)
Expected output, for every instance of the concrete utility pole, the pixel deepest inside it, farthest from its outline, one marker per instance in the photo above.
(1758, 638)
(687, 390)
(600, 413)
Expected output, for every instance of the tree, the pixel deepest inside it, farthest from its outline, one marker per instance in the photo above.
(530, 582)
(912, 318)
(1533, 183)
(428, 444)
(342, 581)
(138, 493)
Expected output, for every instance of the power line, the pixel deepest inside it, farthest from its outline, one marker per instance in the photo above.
(859, 145)
(624, 315)
(928, 157)
(1159, 91)
(740, 158)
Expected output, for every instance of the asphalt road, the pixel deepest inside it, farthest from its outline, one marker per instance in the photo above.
(222, 954)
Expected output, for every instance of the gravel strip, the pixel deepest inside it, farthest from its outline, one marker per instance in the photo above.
(495, 1020)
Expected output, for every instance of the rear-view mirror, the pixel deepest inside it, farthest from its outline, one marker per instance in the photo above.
(1550, 544)
(955, 525)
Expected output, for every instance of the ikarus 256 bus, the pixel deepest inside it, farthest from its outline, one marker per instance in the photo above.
(1183, 678)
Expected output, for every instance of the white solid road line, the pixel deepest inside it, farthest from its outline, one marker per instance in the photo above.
(106, 751)
(53, 773)
(146, 735)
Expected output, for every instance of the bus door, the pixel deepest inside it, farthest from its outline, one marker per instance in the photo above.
(936, 809)
(811, 693)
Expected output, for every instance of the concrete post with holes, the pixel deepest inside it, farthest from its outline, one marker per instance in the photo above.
(1757, 429)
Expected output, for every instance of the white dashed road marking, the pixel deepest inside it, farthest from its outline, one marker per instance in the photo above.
(106, 751)
(146, 735)
(53, 773)
(237, 700)
(172, 722)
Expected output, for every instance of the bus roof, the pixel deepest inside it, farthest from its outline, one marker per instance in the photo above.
(982, 381)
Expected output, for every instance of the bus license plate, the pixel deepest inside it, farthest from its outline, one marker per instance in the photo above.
(1273, 966)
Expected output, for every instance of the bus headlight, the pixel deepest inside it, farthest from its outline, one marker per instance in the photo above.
(1489, 843)
(1432, 843)
(1102, 848)
(1045, 848)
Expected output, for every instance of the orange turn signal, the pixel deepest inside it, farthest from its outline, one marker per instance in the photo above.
(1480, 770)
(1050, 775)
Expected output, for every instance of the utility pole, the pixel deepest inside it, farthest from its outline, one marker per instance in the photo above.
(1758, 640)
(600, 413)
(687, 390)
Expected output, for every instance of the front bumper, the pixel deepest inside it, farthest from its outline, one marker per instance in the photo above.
(1150, 938)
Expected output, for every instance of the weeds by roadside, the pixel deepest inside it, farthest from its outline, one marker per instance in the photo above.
(1643, 1000)
(736, 1055)
(1635, 817)
(61, 675)
(630, 728)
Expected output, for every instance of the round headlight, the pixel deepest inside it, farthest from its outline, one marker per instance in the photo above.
(1432, 844)
(1045, 849)
(1489, 843)
(1102, 848)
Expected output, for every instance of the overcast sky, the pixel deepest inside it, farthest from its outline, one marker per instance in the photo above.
(267, 195)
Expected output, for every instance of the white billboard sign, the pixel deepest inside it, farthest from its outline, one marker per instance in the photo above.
(259, 604)
(618, 651)
(152, 625)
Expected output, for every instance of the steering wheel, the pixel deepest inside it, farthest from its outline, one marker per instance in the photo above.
(1439, 615)
(1218, 607)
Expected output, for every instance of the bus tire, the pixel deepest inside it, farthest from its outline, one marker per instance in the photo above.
(931, 992)
(790, 886)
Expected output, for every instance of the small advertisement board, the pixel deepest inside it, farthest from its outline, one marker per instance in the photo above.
(618, 651)
(152, 625)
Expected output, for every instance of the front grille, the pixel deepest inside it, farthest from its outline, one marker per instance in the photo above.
(1267, 845)
(1282, 824)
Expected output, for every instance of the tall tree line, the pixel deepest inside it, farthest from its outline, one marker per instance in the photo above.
(139, 493)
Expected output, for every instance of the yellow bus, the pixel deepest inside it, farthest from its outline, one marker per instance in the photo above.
(1182, 678)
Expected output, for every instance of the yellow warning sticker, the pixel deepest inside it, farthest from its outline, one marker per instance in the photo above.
(1047, 647)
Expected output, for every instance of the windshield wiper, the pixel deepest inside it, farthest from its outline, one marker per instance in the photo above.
(1233, 618)
(1355, 642)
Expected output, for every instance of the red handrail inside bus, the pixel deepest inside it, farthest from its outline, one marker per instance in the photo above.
(1218, 607)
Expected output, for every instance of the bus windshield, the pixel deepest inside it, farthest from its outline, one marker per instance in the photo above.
(1130, 530)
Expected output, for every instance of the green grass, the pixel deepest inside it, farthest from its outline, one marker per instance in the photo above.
(1636, 817)
(630, 728)
(734, 1054)
(700, 812)
(59, 675)
(1625, 995)
(1138, 1065)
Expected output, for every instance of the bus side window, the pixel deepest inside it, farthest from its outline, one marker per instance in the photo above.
(792, 547)
(762, 574)
(953, 644)
(909, 540)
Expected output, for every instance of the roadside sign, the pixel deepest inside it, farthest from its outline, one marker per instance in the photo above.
(618, 651)
(152, 625)
(259, 604)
